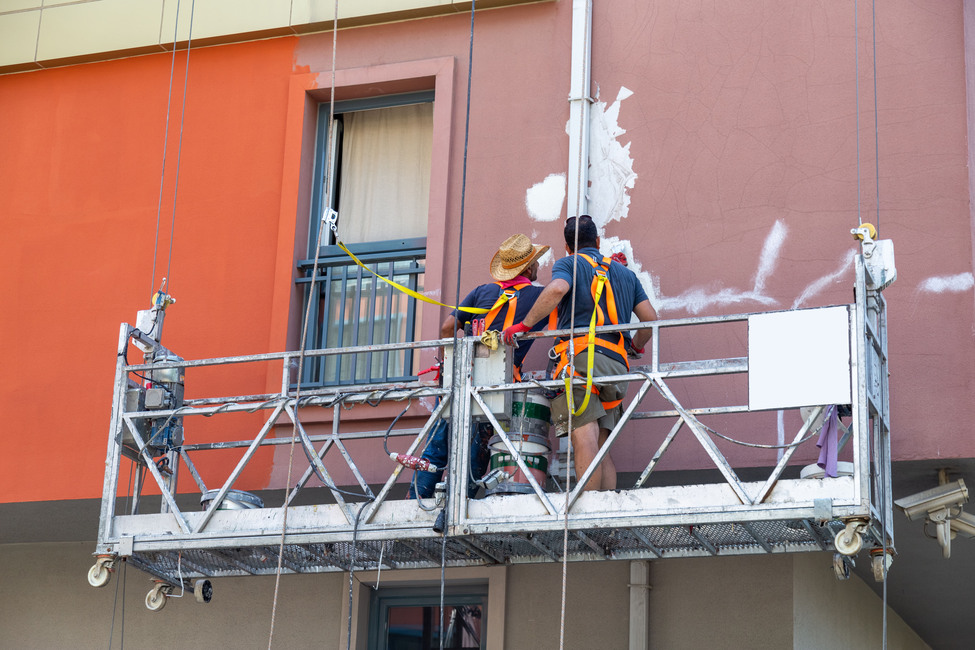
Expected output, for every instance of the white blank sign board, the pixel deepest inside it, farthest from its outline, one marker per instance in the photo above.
(799, 358)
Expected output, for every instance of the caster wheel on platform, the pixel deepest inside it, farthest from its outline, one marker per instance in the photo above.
(101, 572)
(877, 563)
(202, 591)
(840, 567)
(156, 598)
(849, 541)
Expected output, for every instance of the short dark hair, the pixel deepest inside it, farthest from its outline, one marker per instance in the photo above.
(587, 232)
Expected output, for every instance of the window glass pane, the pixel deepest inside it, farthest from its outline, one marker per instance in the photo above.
(385, 173)
(418, 627)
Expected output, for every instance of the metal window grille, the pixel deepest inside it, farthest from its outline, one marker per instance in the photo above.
(351, 307)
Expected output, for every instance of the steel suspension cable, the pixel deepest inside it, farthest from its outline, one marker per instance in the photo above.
(884, 444)
(179, 145)
(876, 117)
(162, 175)
(327, 201)
(455, 370)
(581, 163)
(856, 86)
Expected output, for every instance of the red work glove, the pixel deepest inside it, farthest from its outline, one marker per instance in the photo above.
(618, 257)
(508, 336)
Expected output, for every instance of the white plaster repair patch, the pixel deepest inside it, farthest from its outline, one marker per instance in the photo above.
(544, 200)
(948, 283)
(610, 165)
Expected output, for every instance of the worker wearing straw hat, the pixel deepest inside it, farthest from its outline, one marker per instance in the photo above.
(509, 298)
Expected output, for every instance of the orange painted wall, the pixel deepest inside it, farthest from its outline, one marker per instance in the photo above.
(82, 152)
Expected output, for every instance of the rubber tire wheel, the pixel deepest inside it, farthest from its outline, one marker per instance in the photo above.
(848, 547)
(203, 591)
(99, 575)
(840, 567)
(877, 563)
(155, 600)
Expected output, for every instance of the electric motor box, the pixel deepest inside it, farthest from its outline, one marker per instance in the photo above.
(490, 368)
(163, 391)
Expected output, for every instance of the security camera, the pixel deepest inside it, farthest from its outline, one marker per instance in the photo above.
(949, 495)
(963, 524)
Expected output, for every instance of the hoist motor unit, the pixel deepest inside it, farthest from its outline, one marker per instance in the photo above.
(162, 391)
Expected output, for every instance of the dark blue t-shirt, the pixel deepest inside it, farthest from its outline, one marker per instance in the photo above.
(486, 295)
(627, 291)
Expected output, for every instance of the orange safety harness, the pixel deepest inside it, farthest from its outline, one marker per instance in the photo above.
(509, 297)
(600, 283)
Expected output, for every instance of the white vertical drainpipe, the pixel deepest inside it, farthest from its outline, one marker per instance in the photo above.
(579, 104)
(639, 605)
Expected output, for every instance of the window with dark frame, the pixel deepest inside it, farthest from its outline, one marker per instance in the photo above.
(378, 181)
(408, 618)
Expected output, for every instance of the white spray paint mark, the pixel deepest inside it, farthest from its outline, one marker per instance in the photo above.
(697, 299)
(948, 283)
(544, 200)
(819, 285)
(769, 256)
(610, 165)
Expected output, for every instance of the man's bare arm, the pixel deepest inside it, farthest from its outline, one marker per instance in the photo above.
(645, 312)
(447, 328)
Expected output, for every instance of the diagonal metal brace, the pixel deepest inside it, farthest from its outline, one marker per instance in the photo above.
(712, 450)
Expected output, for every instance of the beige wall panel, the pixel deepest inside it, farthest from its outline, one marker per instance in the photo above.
(310, 11)
(18, 5)
(18, 37)
(46, 602)
(102, 26)
(832, 613)
(733, 602)
(217, 18)
(597, 605)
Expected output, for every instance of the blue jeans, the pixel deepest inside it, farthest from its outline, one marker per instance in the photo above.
(437, 450)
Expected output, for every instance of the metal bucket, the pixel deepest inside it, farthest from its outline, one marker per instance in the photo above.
(235, 500)
(528, 431)
(518, 484)
(529, 425)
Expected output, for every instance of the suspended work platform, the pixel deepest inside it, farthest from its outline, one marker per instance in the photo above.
(751, 414)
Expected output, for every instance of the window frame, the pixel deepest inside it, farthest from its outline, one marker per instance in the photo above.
(495, 577)
(384, 598)
(335, 265)
(322, 149)
(309, 87)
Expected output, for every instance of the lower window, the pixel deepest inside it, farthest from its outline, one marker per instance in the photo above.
(410, 618)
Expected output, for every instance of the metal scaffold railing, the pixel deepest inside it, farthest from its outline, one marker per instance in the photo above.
(709, 469)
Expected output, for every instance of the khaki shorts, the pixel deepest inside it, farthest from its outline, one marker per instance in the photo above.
(602, 366)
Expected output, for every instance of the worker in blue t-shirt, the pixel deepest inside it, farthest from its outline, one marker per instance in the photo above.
(509, 299)
(619, 294)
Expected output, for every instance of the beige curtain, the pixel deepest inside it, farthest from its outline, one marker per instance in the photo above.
(386, 157)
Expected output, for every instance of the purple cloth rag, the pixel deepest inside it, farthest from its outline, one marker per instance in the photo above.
(828, 442)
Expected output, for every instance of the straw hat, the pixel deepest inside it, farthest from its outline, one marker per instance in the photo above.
(515, 254)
